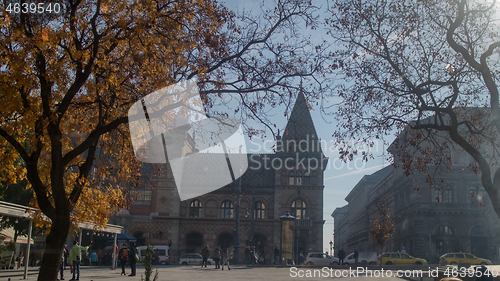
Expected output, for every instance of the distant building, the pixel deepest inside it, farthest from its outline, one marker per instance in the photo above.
(270, 190)
(456, 216)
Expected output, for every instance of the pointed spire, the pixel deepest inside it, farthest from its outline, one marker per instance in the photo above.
(300, 127)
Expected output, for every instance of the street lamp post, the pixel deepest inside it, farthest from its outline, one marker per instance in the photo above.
(236, 257)
(236, 231)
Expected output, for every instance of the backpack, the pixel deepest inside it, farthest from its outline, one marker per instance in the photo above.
(124, 254)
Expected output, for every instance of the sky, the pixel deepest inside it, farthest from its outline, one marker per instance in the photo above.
(339, 177)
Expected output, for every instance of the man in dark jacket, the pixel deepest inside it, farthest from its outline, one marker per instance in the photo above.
(217, 257)
(205, 254)
(132, 257)
(247, 255)
(277, 255)
(341, 256)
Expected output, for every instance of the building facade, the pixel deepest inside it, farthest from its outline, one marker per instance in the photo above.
(455, 215)
(274, 184)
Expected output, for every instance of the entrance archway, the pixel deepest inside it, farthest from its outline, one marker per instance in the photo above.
(225, 240)
(194, 242)
(479, 241)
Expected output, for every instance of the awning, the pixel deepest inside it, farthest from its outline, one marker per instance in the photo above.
(124, 237)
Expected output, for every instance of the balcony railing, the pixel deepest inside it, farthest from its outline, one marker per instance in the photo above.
(303, 223)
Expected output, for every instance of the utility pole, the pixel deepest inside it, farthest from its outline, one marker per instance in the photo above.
(236, 232)
(252, 242)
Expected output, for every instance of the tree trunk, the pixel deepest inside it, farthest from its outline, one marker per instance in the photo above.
(54, 247)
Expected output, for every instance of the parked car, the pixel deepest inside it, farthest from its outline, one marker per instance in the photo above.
(456, 258)
(369, 257)
(321, 259)
(398, 258)
(193, 259)
(159, 251)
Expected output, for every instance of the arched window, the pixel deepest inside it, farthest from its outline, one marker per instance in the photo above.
(306, 179)
(299, 178)
(195, 209)
(284, 177)
(444, 230)
(477, 230)
(299, 209)
(259, 210)
(291, 178)
(226, 210)
(437, 194)
(448, 195)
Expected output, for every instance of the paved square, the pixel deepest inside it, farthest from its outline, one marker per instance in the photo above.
(173, 272)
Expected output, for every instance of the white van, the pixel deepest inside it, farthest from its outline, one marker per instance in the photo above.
(160, 251)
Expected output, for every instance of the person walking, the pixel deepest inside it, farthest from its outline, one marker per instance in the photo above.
(19, 260)
(301, 258)
(341, 256)
(100, 256)
(356, 255)
(93, 259)
(68, 260)
(205, 254)
(277, 255)
(123, 257)
(254, 256)
(263, 254)
(61, 269)
(225, 259)
(247, 255)
(132, 257)
(217, 257)
(75, 255)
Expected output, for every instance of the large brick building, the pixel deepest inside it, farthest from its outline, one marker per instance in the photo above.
(274, 184)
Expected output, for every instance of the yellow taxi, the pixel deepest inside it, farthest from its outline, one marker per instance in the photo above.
(398, 258)
(456, 258)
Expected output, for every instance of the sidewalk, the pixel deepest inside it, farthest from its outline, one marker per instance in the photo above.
(184, 273)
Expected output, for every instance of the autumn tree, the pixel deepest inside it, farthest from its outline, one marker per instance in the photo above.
(68, 79)
(427, 70)
(382, 226)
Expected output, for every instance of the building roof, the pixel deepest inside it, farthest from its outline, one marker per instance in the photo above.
(300, 125)
(380, 174)
(340, 211)
(369, 180)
